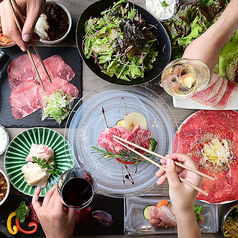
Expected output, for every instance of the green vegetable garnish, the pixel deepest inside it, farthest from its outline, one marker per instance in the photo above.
(50, 165)
(164, 4)
(22, 212)
(120, 42)
(153, 144)
(123, 155)
(57, 106)
(190, 21)
(198, 212)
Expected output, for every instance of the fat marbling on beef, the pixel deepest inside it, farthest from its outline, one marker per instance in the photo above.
(27, 95)
(138, 136)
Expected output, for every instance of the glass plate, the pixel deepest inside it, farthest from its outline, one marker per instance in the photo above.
(87, 122)
(19, 148)
(136, 224)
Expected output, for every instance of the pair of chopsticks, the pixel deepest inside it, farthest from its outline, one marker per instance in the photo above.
(13, 5)
(119, 140)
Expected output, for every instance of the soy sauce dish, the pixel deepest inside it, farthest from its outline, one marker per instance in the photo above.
(54, 24)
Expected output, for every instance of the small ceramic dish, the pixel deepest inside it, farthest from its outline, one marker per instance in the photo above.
(8, 186)
(58, 24)
(4, 139)
(160, 9)
(4, 42)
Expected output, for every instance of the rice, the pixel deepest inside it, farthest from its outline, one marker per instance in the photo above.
(41, 27)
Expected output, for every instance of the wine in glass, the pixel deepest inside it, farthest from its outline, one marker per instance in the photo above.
(76, 188)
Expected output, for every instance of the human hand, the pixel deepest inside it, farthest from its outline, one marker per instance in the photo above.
(31, 9)
(54, 219)
(182, 196)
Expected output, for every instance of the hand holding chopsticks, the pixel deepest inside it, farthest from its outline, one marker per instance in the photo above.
(119, 140)
(13, 5)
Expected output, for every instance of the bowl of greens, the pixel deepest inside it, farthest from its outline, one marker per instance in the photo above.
(122, 43)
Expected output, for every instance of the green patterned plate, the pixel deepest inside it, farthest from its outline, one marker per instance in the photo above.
(19, 148)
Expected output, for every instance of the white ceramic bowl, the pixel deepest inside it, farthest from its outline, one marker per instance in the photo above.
(172, 8)
(70, 25)
(6, 142)
(8, 186)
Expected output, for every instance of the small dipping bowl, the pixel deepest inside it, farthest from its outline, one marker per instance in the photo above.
(183, 77)
(4, 186)
(5, 44)
(39, 30)
(4, 139)
(160, 9)
(232, 69)
(232, 211)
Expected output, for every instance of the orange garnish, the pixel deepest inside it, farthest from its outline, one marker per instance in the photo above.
(162, 203)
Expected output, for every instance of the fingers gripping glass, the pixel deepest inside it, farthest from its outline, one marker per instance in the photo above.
(76, 188)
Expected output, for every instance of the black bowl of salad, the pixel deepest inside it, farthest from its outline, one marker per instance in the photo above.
(122, 43)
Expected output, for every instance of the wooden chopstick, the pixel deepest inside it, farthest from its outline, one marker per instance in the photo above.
(163, 157)
(32, 42)
(158, 165)
(28, 51)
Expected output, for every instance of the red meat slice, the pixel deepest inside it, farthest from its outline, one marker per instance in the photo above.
(208, 93)
(230, 89)
(143, 140)
(25, 99)
(215, 99)
(21, 70)
(56, 67)
(58, 84)
(137, 136)
(105, 139)
(27, 94)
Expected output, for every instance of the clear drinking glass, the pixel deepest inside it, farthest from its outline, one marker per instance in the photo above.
(76, 187)
(184, 77)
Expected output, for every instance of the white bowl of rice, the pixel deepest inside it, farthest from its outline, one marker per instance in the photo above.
(54, 24)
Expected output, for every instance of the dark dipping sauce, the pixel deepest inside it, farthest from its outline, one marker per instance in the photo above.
(3, 187)
(58, 21)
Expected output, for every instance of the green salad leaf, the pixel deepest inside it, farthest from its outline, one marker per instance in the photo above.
(57, 106)
(120, 42)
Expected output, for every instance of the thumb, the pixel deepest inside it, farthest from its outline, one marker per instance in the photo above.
(171, 173)
(29, 24)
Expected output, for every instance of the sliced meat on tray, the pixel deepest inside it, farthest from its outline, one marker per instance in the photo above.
(21, 70)
(25, 99)
(223, 103)
(57, 84)
(56, 67)
(27, 94)
(208, 93)
(218, 93)
(215, 99)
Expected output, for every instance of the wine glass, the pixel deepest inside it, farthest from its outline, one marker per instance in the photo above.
(185, 77)
(76, 187)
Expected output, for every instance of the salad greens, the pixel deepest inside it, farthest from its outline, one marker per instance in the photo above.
(57, 106)
(120, 42)
(193, 19)
(50, 165)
